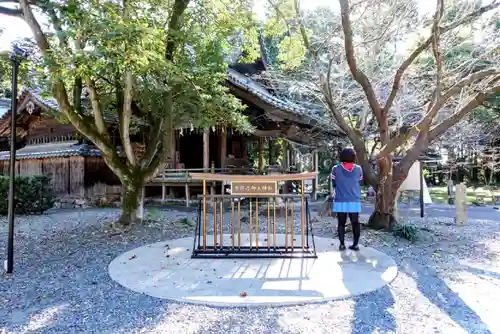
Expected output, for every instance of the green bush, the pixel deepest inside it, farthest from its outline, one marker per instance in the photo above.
(33, 195)
(407, 232)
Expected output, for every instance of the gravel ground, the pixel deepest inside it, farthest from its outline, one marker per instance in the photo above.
(449, 282)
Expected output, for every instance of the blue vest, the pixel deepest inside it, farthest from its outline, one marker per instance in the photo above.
(347, 184)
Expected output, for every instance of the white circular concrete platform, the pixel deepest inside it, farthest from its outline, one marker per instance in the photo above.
(166, 270)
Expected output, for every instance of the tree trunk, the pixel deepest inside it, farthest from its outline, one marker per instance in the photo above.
(132, 201)
(383, 216)
(390, 179)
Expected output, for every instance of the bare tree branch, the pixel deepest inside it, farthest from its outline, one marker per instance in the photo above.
(425, 123)
(358, 74)
(475, 102)
(125, 118)
(404, 66)
(96, 108)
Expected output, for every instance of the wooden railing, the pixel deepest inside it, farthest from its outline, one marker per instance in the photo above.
(189, 177)
(184, 175)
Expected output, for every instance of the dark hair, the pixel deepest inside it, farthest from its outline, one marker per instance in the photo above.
(347, 155)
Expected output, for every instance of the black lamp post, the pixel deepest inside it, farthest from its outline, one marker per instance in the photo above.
(17, 56)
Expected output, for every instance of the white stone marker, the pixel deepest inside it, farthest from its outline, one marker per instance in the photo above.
(461, 204)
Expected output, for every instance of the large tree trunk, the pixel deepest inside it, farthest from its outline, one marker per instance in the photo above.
(383, 216)
(390, 179)
(132, 200)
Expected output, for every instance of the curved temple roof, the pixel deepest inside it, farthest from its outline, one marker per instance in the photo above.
(275, 108)
(52, 150)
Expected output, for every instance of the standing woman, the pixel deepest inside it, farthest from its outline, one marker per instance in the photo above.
(346, 180)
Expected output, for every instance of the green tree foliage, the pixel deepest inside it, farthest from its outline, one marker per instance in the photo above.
(154, 64)
(6, 71)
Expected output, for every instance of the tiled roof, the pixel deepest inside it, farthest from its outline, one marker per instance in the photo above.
(306, 115)
(235, 78)
(253, 87)
(51, 103)
(52, 150)
(48, 102)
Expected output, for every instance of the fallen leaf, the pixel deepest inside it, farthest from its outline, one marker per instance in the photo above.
(243, 294)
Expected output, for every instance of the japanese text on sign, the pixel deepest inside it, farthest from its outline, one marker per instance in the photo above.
(253, 188)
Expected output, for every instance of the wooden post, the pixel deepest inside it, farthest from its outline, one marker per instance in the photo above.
(223, 147)
(316, 179)
(206, 149)
(223, 154)
(188, 194)
(450, 191)
(261, 162)
(270, 149)
(212, 187)
(285, 157)
(244, 147)
(163, 188)
(173, 160)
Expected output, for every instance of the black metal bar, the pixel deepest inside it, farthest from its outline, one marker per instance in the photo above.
(199, 225)
(247, 252)
(197, 228)
(307, 223)
(12, 167)
(289, 255)
(312, 232)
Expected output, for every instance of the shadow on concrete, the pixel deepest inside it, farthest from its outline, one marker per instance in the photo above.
(374, 318)
(482, 272)
(437, 291)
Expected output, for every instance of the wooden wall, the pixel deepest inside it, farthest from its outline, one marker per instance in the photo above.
(66, 173)
(46, 127)
(58, 171)
(96, 171)
(100, 190)
(77, 176)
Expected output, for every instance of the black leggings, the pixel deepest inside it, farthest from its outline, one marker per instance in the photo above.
(356, 227)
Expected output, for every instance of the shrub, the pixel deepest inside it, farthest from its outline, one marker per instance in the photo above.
(407, 232)
(33, 195)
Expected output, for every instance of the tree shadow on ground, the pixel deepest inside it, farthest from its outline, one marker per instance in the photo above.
(439, 293)
(370, 317)
(66, 287)
(482, 272)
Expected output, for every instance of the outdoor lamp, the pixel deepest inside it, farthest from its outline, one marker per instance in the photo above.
(17, 56)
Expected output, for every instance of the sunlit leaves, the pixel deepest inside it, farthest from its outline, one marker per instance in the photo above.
(101, 40)
(292, 51)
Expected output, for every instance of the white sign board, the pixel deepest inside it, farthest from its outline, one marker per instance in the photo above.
(412, 182)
